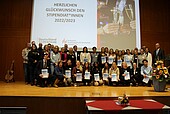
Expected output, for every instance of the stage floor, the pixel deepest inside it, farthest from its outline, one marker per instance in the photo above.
(20, 89)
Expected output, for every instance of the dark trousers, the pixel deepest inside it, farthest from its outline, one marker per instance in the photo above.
(111, 83)
(33, 73)
(26, 72)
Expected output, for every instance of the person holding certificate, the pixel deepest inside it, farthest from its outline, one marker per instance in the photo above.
(43, 71)
(146, 72)
(97, 74)
(55, 58)
(68, 72)
(136, 78)
(119, 59)
(114, 74)
(77, 74)
(105, 73)
(87, 77)
(102, 58)
(128, 58)
(59, 75)
(111, 57)
(85, 56)
(125, 74)
(94, 56)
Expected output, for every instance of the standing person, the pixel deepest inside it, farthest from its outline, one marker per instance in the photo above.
(94, 56)
(43, 66)
(105, 70)
(32, 61)
(77, 69)
(146, 72)
(106, 49)
(148, 56)
(63, 56)
(158, 54)
(114, 70)
(141, 57)
(25, 52)
(71, 56)
(40, 51)
(128, 58)
(135, 56)
(125, 74)
(111, 57)
(102, 58)
(65, 48)
(85, 56)
(76, 53)
(55, 58)
(119, 59)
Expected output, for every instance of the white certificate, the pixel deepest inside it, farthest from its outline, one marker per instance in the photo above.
(87, 75)
(79, 77)
(119, 62)
(45, 73)
(85, 60)
(127, 76)
(128, 62)
(146, 80)
(105, 76)
(114, 77)
(103, 59)
(96, 77)
(110, 60)
(68, 73)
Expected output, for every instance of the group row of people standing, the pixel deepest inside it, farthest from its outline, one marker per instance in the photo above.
(57, 62)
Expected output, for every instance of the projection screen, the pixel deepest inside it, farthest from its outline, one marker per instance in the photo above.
(111, 23)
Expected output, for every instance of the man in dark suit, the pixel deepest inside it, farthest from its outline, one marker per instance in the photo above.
(76, 53)
(158, 54)
(43, 65)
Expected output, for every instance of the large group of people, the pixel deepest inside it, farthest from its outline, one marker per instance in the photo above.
(50, 65)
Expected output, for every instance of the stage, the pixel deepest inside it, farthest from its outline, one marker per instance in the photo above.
(20, 89)
(38, 99)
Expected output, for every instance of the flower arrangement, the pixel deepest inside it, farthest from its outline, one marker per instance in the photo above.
(160, 72)
(123, 100)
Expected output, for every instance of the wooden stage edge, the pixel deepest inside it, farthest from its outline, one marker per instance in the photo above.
(20, 89)
(51, 100)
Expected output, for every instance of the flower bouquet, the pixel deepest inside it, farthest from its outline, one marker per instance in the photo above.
(160, 76)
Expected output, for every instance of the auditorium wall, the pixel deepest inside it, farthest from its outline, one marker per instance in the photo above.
(15, 27)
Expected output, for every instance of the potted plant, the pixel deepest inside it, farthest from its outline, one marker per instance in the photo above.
(160, 76)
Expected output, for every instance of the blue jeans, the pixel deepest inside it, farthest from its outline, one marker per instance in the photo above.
(26, 72)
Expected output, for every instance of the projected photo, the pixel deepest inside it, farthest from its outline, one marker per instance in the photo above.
(116, 23)
(111, 23)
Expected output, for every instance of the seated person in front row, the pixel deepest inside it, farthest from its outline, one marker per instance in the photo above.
(77, 74)
(43, 70)
(114, 71)
(59, 75)
(87, 77)
(125, 74)
(146, 72)
(69, 67)
(97, 72)
(105, 74)
(136, 78)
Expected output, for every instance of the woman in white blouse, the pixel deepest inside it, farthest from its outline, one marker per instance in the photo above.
(85, 56)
